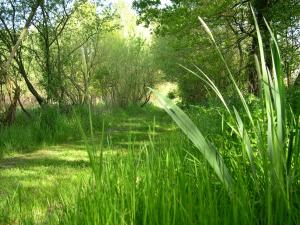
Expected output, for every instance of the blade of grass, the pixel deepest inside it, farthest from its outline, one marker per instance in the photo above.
(242, 98)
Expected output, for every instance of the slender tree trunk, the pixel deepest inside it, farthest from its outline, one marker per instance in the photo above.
(29, 85)
(47, 55)
(23, 108)
(21, 37)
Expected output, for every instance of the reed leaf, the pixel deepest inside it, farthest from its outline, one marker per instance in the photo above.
(188, 127)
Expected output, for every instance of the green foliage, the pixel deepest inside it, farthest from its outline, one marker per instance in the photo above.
(125, 71)
(231, 21)
(170, 52)
(189, 128)
(293, 94)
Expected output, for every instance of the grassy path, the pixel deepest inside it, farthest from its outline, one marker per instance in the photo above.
(35, 184)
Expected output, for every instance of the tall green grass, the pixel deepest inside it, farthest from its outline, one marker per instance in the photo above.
(48, 125)
(152, 185)
(250, 175)
(270, 146)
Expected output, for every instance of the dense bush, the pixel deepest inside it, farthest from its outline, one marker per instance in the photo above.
(125, 71)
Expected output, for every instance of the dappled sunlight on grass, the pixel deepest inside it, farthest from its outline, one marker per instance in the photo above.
(40, 182)
(45, 157)
(41, 177)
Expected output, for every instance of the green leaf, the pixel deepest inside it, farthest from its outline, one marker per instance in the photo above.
(193, 133)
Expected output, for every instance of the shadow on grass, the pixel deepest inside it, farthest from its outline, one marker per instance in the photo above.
(23, 162)
(66, 155)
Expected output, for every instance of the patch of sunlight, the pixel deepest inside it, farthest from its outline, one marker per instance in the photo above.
(51, 153)
(137, 132)
(42, 177)
(164, 89)
(130, 124)
(66, 147)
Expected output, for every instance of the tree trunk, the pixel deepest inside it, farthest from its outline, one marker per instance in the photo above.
(29, 85)
(262, 10)
(253, 81)
(10, 113)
